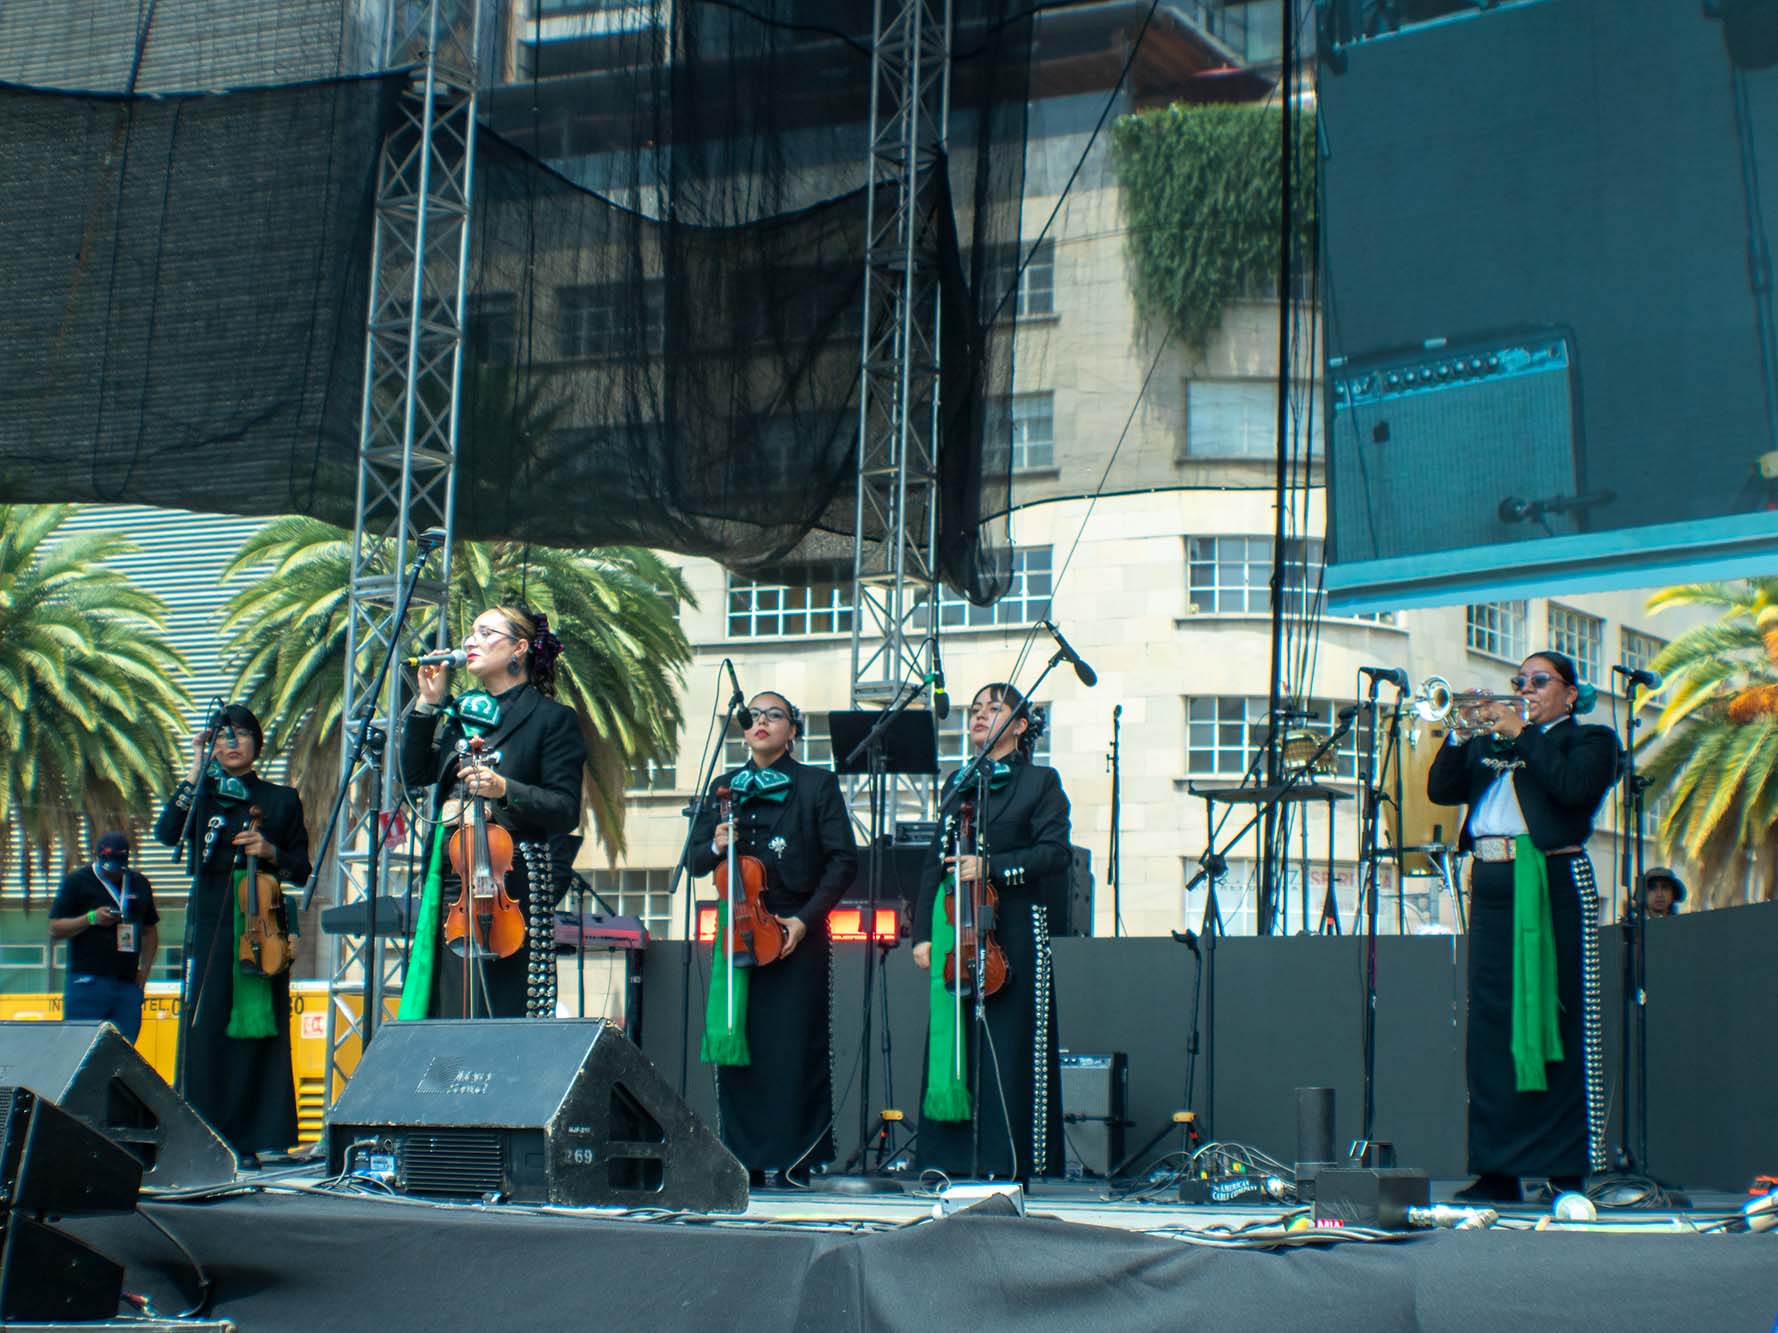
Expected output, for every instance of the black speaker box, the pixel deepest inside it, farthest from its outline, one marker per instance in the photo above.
(1095, 1090)
(91, 1072)
(563, 1112)
(52, 1163)
(1077, 908)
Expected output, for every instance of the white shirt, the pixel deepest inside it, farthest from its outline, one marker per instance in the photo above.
(1497, 813)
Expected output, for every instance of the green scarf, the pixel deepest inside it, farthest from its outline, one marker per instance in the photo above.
(477, 712)
(416, 987)
(760, 784)
(250, 1011)
(724, 1042)
(225, 787)
(947, 1094)
(1537, 1036)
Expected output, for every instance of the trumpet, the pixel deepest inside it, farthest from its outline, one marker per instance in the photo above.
(1467, 714)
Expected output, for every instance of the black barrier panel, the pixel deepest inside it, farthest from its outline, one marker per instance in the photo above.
(1289, 1014)
(1540, 318)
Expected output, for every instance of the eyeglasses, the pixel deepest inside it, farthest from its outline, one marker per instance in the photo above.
(1536, 681)
(769, 715)
(479, 635)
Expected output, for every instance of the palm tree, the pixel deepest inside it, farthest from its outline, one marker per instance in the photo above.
(1717, 757)
(92, 718)
(623, 659)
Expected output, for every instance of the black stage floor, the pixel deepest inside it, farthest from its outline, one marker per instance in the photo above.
(290, 1252)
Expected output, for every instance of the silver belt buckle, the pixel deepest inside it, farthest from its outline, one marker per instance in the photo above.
(1494, 848)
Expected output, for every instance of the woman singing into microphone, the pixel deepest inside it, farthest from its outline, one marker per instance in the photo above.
(772, 1053)
(1024, 831)
(1534, 1057)
(531, 783)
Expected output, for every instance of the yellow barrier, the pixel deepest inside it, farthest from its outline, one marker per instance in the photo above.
(159, 1039)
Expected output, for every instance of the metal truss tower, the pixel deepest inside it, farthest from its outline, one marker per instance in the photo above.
(407, 446)
(895, 580)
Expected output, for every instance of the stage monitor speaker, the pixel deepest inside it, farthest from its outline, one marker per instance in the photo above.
(91, 1072)
(1095, 1091)
(1430, 446)
(51, 1162)
(563, 1112)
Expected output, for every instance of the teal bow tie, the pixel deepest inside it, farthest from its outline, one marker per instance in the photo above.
(224, 786)
(760, 784)
(477, 712)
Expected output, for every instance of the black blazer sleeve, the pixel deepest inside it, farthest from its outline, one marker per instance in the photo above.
(702, 860)
(552, 803)
(172, 816)
(1046, 853)
(839, 853)
(1447, 781)
(1576, 774)
(290, 835)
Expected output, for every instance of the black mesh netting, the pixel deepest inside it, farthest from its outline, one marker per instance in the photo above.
(666, 288)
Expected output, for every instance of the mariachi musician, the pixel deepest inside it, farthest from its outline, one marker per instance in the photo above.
(532, 757)
(1533, 779)
(1024, 832)
(772, 1052)
(237, 1064)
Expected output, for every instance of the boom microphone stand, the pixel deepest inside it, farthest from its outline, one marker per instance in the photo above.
(1633, 1053)
(188, 961)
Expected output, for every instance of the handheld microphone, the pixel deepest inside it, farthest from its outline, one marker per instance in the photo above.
(941, 698)
(1394, 675)
(450, 657)
(229, 727)
(1649, 680)
(1088, 676)
(737, 701)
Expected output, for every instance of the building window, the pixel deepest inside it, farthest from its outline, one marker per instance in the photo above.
(650, 776)
(1233, 576)
(638, 893)
(1033, 431)
(1238, 419)
(1639, 650)
(493, 330)
(609, 321)
(953, 739)
(1027, 597)
(758, 609)
(1498, 629)
(1581, 636)
(1222, 735)
(1036, 294)
(815, 748)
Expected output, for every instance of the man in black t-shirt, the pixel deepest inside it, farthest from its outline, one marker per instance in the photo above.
(106, 912)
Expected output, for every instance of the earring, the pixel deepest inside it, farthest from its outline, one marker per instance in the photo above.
(513, 667)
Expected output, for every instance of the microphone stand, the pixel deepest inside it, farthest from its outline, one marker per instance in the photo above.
(1112, 849)
(873, 745)
(367, 746)
(1369, 857)
(1633, 1051)
(188, 839)
(693, 813)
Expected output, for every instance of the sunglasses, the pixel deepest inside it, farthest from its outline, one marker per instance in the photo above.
(1536, 681)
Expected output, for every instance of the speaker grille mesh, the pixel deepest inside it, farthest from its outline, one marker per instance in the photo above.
(453, 1161)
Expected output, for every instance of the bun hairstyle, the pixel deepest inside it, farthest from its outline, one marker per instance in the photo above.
(1034, 714)
(541, 646)
(796, 714)
(1585, 695)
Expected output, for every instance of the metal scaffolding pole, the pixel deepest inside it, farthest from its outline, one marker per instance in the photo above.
(895, 579)
(407, 452)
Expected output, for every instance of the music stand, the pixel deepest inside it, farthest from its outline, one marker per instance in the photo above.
(877, 743)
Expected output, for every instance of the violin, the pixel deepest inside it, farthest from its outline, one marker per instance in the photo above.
(265, 937)
(756, 937)
(484, 920)
(982, 905)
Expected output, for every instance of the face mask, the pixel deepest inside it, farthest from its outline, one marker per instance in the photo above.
(114, 865)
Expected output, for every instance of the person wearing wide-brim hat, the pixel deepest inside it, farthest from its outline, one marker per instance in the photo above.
(1662, 891)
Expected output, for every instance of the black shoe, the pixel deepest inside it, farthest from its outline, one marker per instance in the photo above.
(756, 1179)
(1492, 1187)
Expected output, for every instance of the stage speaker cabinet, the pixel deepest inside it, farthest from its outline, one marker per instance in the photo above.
(91, 1072)
(51, 1162)
(564, 1112)
(1095, 1091)
(1431, 446)
(1077, 908)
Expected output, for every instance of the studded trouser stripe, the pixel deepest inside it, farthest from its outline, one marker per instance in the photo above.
(1041, 1092)
(540, 966)
(1592, 1025)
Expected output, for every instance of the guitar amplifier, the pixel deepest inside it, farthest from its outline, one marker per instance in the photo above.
(1095, 1091)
